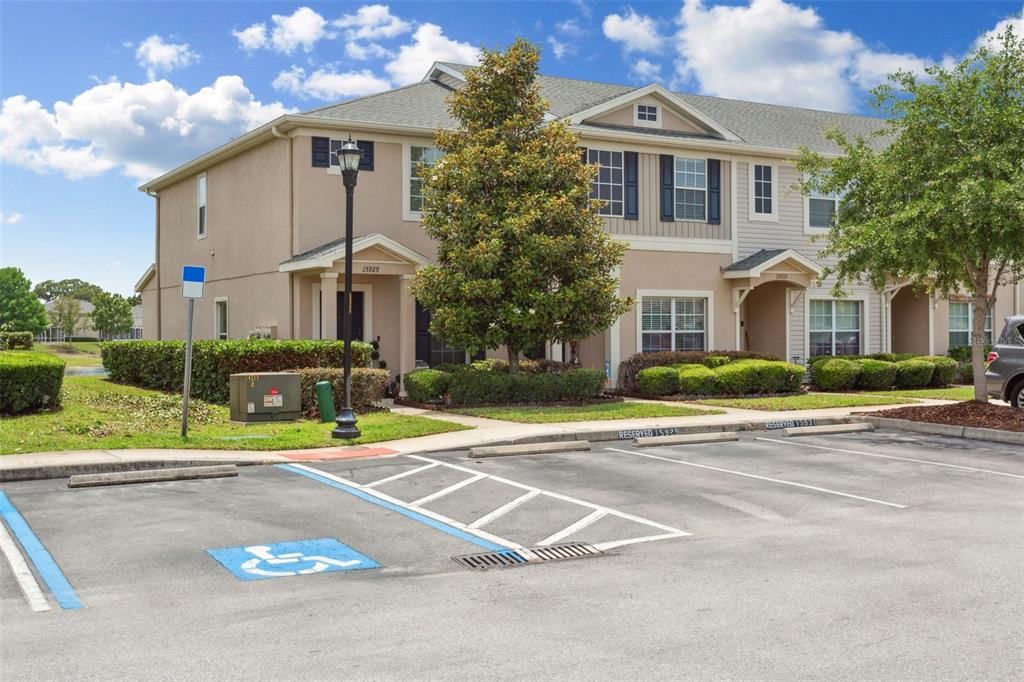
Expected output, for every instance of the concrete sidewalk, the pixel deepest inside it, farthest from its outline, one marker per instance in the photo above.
(485, 432)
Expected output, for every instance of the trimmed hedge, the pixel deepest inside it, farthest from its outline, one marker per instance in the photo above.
(655, 381)
(427, 385)
(834, 374)
(468, 387)
(29, 381)
(739, 377)
(914, 373)
(367, 387)
(875, 374)
(713, 361)
(695, 379)
(16, 341)
(161, 364)
(946, 369)
(629, 370)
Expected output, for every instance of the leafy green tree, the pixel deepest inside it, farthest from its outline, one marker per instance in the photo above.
(134, 300)
(20, 310)
(939, 199)
(112, 314)
(522, 258)
(49, 290)
(66, 315)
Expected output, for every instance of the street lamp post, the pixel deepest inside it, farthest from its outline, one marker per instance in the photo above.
(348, 159)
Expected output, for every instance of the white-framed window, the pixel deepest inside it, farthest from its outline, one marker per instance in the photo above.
(419, 157)
(607, 185)
(220, 318)
(201, 200)
(821, 210)
(835, 328)
(764, 183)
(647, 115)
(961, 323)
(673, 323)
(691, 188)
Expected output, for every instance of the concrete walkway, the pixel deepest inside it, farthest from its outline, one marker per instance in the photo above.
(485, 432)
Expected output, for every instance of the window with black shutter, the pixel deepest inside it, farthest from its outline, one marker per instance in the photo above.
(321, 152)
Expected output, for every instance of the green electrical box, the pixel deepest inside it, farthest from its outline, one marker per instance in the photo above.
(265, 397)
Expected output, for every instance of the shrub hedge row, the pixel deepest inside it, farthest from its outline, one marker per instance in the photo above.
(16, 341)
(869, 374)
(161, 364)
(483, 382)
(367, 387)
(629, 370)
(29, 381)
(739, 377)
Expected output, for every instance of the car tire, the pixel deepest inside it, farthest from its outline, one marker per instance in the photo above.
(1017, 395)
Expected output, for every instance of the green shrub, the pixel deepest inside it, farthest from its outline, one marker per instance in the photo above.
(629, 370)
(582, 384)
(914, 373)
(29, 381)
(367, 387)
(713, 361)
(658, 381)
(964, 373)
(745, 377)
(945, 369)
(16, 341)
(469, 387)
(834, 374)
(696, 380)
(875, 375)
(427, 385)
(161, 364)
(963, 353)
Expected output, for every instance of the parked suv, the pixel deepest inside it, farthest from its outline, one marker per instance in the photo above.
(1004, 375)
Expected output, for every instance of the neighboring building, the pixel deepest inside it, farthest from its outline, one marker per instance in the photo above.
(85, 329)
(701, 188)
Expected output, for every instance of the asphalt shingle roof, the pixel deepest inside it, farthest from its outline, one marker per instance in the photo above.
(313, 253)
(753, 260)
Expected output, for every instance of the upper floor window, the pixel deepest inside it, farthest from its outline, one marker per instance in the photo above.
(419, 157)
(961, 321)
(821, 209)
(365, 161)
(834, 328)
(220, 318)
(607, 186)
(672, 324)
(763, 185)
(647, 113)
(691, 188)
(201, 197)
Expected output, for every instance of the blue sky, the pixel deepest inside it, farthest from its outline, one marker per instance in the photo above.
(98, 97)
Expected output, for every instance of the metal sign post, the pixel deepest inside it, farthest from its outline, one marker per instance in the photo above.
(192, 278)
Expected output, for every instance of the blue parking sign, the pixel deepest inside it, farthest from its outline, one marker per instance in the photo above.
(285, 559)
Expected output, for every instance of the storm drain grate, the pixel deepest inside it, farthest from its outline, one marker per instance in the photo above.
(507, 558)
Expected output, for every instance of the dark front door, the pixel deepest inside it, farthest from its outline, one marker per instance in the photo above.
(357, 315)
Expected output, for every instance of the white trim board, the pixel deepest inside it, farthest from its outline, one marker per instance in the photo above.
(675, 244)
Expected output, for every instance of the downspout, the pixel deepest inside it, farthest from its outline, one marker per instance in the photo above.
(159, 293)
(291, 228)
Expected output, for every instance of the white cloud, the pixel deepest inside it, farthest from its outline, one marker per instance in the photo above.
(372, 22)
(142, 130)
(570, 29)
(645, 71)
(560, 49)
(328, 85)
(156, 56)
(988, 36)
(252, 38)
(564, 44)
(873, 68)
(636, 32)
(11, 218)
(429, 45)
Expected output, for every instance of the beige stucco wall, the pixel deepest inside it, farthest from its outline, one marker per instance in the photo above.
(910, 322)
(150, 329)
(252, 301)
(764, 320)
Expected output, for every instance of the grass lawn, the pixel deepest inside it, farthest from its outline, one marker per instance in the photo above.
(75, 354)
(950, 393)
(807, 401)
(98, 415)
(581, 413)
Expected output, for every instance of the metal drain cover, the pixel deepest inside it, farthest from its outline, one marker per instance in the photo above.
(507, 558)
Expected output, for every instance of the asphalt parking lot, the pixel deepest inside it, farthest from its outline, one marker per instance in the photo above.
(877, 555)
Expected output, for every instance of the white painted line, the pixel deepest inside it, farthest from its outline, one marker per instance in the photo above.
(503, 509)
(745, 507)
(22, 573)
(449, 489)
(605, 546)
(573, 528)
(397, 476)
(902, 459)
(763, 478)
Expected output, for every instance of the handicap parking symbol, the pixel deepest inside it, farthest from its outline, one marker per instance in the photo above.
(285, 559)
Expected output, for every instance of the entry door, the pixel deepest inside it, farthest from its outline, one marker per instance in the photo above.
(357, 315)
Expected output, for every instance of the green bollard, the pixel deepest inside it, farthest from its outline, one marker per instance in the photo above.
(325, 401)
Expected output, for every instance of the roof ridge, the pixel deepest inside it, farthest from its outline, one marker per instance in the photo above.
(366, 97)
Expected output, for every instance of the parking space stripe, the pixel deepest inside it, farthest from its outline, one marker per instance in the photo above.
(450, 489)
(403, 474)
(762, 478)
(573, 528)
(22, 573)
(424, 516)
(39, 556)
(902, 459)
(504, 509)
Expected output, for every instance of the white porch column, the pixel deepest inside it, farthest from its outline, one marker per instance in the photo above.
(329, 305)
(406, 328)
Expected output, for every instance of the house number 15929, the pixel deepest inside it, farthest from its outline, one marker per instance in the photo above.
(371, 268)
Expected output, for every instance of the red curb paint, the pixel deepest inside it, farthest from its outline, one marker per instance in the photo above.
(339, 454)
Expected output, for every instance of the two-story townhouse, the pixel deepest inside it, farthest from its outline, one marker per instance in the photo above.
(701, 188)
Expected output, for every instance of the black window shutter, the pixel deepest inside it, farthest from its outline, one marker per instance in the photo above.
(668, 213)
(714, 191)
(632, 185)
(321, 152)
(366, 161)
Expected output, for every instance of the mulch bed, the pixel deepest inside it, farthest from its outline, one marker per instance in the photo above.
(968, 413)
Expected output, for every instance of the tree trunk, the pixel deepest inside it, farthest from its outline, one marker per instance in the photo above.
(513, 361)
(980, 307)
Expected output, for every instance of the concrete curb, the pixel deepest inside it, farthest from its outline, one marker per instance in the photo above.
(827, 429)
(950, 430)
(35, 473)
(529, 449)
(687, 439)
(153, 475)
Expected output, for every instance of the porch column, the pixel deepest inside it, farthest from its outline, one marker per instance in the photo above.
(406, 328)
(329, 305)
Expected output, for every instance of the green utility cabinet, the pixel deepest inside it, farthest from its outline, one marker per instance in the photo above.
(265, 397)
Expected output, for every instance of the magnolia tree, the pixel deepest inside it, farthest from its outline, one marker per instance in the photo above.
(939, 200)
(521, 255)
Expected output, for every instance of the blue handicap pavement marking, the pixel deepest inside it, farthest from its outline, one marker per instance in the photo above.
(285, 559)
